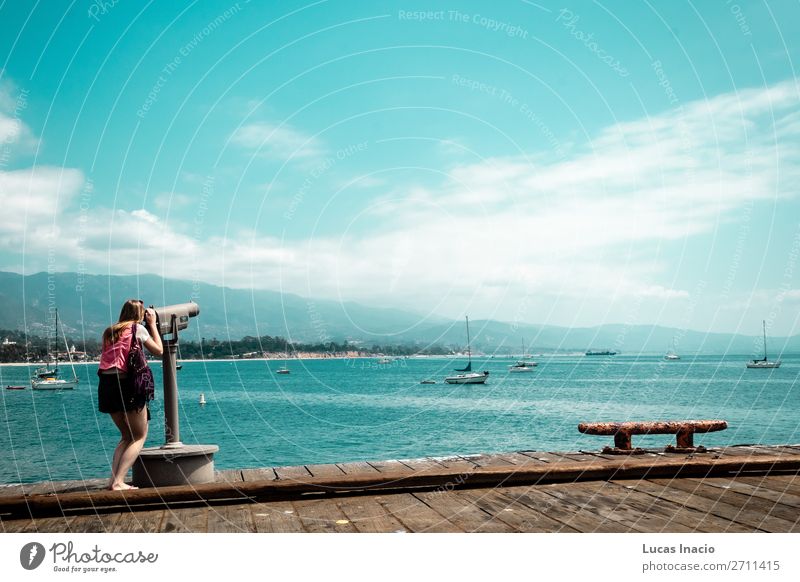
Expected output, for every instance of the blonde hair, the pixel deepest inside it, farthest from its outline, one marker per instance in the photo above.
(132, 312)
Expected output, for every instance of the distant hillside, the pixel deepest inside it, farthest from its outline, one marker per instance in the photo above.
(87, 305)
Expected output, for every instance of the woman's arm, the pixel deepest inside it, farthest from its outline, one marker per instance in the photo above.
(153, 345)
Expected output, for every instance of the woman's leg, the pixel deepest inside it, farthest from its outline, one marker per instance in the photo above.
(136, 423)
(125, 440)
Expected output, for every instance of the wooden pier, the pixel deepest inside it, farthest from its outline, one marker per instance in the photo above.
(733, 489)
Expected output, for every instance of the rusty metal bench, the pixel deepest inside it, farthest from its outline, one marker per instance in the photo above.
(683, 429)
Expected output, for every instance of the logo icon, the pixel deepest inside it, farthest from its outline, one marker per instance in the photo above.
(31, 555)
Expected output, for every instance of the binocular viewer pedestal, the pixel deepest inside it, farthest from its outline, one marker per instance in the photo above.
(176, 464)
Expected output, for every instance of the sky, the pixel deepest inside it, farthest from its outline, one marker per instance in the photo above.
(570, 163)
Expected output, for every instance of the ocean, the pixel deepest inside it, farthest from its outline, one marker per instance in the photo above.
(329, 411)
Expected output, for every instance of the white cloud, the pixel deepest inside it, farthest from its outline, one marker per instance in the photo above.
(31, 199)
(504, 231)
(278, 142)
(15, 135)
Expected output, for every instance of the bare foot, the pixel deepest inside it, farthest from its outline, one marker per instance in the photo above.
(122, 487)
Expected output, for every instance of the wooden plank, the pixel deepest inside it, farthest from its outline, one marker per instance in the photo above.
(422, 464)
(150, 498)
(94, 523)
(390, 466)
(369, 516)
(17, 526)
(754, 490)
(415, 515)
(322, 515)
(185, 520)
(521, 460)
(745, 503)
(462, 513)
(457, 463)
(324, 470)
(11, 490)
(357, 468)
(543, 456)
(488, 460)
(517, 515)
(139, 522)
(705, 505)
(229, 476)
(615, 504)
(267, 474)
(231, 519)
(299, 473)
(276, 517)
(55, 524)
(777, 483)
(698, 521)
(568, 515)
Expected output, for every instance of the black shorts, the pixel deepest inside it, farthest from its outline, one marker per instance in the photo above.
(115, 394)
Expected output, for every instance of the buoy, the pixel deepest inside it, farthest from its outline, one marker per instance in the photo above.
(202, 398)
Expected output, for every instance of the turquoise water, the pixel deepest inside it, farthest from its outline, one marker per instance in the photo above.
(338, 410)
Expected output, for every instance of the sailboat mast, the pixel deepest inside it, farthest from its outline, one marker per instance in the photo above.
(764, 325)
(56, 338)
(469, 351)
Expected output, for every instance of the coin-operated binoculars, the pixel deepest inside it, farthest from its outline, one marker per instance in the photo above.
(173, 463)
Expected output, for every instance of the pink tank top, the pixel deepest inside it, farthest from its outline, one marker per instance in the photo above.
(116, 354)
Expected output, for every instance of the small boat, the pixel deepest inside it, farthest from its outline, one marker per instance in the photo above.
(9, 387)
(764, 362)
(202, 398)
(671, 354)
(600, 353)
(469, 377)
(522, 365)
(283, 370)
(384, 360)
(428, 382)
(47, 378)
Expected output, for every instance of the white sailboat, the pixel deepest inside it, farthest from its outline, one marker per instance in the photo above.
(764, 362)
(522, 365)
(469, 377)
(671, 354)
(49, 378)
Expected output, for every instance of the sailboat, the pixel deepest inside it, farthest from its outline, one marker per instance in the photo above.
(671, 354)
(522, 365)
(48, 378)
(469, 377)
(764, 362)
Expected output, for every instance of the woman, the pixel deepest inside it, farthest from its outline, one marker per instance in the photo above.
(115, 394)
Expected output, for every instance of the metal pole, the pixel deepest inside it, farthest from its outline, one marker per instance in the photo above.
(171, 425)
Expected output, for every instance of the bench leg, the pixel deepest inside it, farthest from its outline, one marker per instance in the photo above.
(622, 445)
(622, 440)
(684, 443)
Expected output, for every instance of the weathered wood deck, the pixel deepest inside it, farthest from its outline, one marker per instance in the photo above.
(735, 489)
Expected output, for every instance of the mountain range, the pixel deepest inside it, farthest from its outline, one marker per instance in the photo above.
(88, 303)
